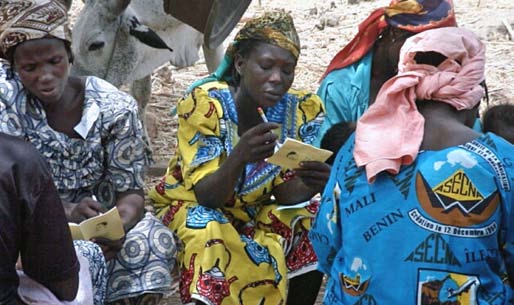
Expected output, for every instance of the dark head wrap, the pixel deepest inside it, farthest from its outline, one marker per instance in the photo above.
(23, 20)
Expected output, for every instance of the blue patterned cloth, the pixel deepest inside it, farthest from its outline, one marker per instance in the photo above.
(145, 263)
(97, 268)
(108, 158)
(439, 232)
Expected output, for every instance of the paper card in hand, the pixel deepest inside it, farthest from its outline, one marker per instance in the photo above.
(107, 225)
(292, 152)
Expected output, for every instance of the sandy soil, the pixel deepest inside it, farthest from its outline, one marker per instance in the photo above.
(324, 28)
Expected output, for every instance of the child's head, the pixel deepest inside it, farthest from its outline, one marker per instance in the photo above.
(499, 119)
(335, 138)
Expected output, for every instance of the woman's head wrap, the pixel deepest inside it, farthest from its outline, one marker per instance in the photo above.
(23, 20)
(390, 133)
(410, 15)
(274, 27)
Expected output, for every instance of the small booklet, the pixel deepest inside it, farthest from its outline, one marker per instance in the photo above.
(290, 153)
(107, 225)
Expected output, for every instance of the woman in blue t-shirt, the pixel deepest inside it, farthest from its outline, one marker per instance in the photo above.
(418, 208)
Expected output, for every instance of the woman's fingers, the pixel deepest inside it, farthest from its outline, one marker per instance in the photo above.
(259, 142)
(270, 137)
(263, 128)
(264, 150)
(313, 174)
(109, 247)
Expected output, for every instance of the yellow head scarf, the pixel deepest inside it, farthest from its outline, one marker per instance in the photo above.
(275, 27)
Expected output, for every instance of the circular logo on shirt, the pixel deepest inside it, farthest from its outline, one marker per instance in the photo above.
(456, 200)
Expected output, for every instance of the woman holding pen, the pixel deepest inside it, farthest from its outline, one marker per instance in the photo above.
(220, 195)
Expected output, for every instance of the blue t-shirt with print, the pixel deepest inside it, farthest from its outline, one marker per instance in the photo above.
(439, 232)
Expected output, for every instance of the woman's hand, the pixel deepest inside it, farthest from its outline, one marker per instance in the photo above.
(314, 174)
(256, 144)
(85, 209)
(131, 206)
(110, 248)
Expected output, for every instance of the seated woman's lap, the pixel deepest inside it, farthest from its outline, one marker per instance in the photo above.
(144, 263)
(293, 225)
(271, 247)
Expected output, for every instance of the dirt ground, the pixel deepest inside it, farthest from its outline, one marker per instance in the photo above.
(324, 28)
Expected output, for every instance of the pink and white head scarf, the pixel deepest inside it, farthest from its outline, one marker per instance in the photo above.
(390, 133)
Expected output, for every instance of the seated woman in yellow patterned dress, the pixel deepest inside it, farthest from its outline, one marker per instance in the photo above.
(221, 197)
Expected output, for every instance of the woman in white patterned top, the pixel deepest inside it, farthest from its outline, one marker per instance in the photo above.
(91, 136)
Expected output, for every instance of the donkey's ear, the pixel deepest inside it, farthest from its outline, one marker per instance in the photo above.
(113, 8)
(146, 35)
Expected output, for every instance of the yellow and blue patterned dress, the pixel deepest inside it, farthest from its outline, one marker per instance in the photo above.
(245, 252)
